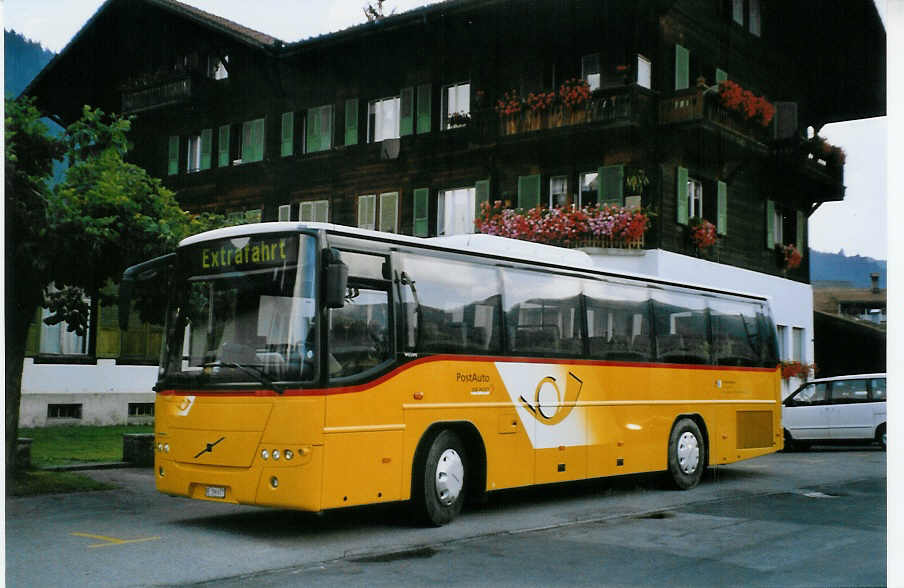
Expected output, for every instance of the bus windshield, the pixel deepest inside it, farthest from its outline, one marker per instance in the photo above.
(243, 312)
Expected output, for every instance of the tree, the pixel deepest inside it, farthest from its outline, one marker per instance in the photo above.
(106, 215)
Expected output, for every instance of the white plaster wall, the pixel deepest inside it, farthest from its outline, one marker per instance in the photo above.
(791, 302)
(104, 390)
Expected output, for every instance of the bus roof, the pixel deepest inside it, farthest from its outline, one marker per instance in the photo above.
(476, 243)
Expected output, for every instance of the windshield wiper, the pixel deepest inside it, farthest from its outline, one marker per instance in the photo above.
(250, 370)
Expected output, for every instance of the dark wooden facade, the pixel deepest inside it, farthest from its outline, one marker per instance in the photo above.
(155, 59)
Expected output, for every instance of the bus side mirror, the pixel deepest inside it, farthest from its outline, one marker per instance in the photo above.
(139, 273)
(336, 279)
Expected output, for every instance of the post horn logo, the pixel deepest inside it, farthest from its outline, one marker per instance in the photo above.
(549, 406)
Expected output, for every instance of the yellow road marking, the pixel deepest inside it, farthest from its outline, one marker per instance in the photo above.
(111, 540)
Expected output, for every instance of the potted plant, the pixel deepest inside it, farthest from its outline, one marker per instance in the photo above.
(702, 233)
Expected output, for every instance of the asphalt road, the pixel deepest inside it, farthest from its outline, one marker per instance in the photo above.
(789, 519)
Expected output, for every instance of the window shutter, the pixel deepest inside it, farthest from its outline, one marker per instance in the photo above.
(770, 224)
(423, 108)
(253, 141)
(682, 68)
(312, 135)
(681, 195)
(326, 127)
(389, 209)
(528, 192)
(206, 147)
(173, 167)
(288, 134)
(722, 208)
(610, 186)
(306, 212)
(367, 211)
(258, 139)
(351, 121)
(482, 190)
(421, 212)
(801, 225)
(721, 75)
(406, 114)
(322, 211)
(285, 212)
(223, 146)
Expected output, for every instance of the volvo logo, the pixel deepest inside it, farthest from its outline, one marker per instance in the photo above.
(209, 448)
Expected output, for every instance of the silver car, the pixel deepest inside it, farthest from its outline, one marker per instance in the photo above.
(843, 408)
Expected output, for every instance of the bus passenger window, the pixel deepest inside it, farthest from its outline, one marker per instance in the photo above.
(359, 336)
(543, 313)
(736, 337)
(618, 321)
(680, 327)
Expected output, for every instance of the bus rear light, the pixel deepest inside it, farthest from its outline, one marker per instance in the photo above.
(160, 447)
(161, 472)
(274, 482)
(265, 454)
(275, 454)
(288, 454)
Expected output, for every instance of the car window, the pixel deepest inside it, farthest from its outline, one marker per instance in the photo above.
(844, 391)
(877, 386)
(811, 394)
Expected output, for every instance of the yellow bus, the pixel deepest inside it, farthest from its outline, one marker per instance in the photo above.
(315, 366)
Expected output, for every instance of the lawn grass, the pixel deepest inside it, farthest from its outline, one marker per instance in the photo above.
(53, 446)
(33, 482)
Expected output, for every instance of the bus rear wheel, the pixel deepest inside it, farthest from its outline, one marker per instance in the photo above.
(687, 454)
(440, 480)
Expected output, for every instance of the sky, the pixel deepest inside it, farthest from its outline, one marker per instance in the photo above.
(857, 225)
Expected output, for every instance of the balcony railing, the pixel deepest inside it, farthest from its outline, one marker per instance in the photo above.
(700, 105)
(157, 93)
(629, 104)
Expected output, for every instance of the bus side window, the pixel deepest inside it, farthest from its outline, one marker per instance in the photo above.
(618, 321)
(680, 327)
(542, 313)
(736, 337)
(359, 335)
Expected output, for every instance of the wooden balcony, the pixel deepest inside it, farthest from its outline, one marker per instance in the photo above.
(157, 93)
(630, 104)
(698, 105)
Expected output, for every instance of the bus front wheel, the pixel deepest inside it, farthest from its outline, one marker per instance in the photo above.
(687, 454)
(440, 480)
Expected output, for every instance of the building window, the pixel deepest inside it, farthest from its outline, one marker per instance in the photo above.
(244, 217)
(64, 411)
(319, 129)
(589, 194)
(644, 72)
(367, 211)
(217, 67)
(252, 141)
(284, 212)
(455, 211)
(753, 22)
(558, 191)
(173, 156)
(782, 352)
(193, 161)
(141, 409)
(317, 211)
(737, 11)
(694, 198)
(456, 100)
(383, 119)
(590, 70)
(59, 340)
(389, 212)
(779, 224)
(797, 344)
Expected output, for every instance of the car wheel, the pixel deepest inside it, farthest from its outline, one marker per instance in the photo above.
(880, 435)
(440, 478)
(687, 454)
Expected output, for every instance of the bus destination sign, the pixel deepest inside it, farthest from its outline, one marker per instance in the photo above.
(244, 254)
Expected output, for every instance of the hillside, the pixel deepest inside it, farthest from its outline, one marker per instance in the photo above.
(22, 60)
(837, 267)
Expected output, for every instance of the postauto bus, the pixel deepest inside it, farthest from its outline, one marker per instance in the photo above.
(314, 366)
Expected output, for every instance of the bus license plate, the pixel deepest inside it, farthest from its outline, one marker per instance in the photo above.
(215, 492)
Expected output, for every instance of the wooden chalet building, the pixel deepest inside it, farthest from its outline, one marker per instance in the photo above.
(354, 127)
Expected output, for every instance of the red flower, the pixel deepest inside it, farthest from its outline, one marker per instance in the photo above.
(703, 234)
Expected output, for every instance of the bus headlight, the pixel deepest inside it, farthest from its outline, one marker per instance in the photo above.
(166, 447)
(275, 454)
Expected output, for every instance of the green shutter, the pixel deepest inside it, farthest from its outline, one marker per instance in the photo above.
(482, 193)
(322, 211)
(312, 132)
(421, 211)
(721, 75)
(406, 112)
(528, 192)
(801, 224)
(351, 121)
(681, 195)
(223, 146)
(306, 212)
(610, 185)
(722, 208)
(206, 147)
(288, 134)
(682, 68)
(259, 140)
(173, 167)
(423, 108)
(253, 141)
(770, 224)
(326, 127)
